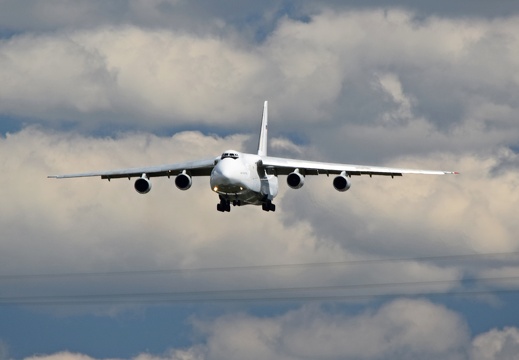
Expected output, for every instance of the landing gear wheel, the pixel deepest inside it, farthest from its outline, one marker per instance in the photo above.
(224, 205)
(268, 206)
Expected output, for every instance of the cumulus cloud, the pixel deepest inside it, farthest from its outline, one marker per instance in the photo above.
(383, 78)
(401, 329)
(373, 86)
(438, 213)
(65, 355)
(86, 225)
(496, 345)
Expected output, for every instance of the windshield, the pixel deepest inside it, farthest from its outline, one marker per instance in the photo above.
(231, 155)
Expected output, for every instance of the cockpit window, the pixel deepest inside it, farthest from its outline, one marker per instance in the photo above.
(229, 155)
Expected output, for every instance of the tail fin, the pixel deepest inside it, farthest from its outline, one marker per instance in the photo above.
(262, 145)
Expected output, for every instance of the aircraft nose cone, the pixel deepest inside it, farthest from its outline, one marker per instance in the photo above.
(224, 172)
(226, 177)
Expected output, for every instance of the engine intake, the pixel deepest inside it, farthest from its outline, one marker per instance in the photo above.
(142, 185)
(295, 179)
(183, 181)
(342, 182)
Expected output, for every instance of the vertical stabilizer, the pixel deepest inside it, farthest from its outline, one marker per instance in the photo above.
(262, 145)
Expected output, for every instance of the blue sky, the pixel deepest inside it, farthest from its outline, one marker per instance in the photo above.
(90, 85)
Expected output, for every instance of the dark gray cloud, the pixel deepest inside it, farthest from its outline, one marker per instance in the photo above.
(425, 9)
(249, 16)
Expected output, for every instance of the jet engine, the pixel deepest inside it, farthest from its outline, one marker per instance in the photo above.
(295, 179)
(342, 182)
(183, 181)
(143, 185)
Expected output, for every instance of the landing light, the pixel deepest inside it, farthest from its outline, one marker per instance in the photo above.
(215, 188)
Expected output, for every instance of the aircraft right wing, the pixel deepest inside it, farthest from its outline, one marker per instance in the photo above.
(282, 166)
(195, 168)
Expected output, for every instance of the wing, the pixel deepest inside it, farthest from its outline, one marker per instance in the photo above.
(195, 168)
(282, 166)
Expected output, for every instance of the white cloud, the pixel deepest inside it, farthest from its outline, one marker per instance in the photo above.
(65, 355)
(356, 86)
(496, 345)
(92, 225)
(195, 353)
(401, 329)
(440, 214)
(337, 75)
(86, 225)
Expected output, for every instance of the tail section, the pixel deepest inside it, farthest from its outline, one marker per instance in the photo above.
(262, 145)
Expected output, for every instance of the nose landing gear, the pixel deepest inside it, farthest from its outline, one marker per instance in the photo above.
(225, 204)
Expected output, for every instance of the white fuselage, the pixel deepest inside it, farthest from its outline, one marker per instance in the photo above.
(238, 177)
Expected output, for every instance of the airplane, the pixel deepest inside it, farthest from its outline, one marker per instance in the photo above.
(249, 179)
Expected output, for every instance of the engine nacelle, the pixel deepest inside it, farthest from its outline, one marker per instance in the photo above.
(142, 185)
(342, 182)
(295, 179)
(183, 181)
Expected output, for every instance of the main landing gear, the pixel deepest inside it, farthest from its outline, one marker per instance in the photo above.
(268, 206)
(223, 206)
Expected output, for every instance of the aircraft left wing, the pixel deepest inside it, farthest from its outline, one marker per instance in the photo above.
(195, 168)
(282, 166)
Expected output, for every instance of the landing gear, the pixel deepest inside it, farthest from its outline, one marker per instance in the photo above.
(268, 206)
(225, 204)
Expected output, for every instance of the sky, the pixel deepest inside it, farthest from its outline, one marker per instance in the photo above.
(414, 267)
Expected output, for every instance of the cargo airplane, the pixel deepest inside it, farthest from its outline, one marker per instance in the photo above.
(249, 179)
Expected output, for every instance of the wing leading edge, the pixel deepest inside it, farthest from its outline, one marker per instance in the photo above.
(195, 168)
(282, 166)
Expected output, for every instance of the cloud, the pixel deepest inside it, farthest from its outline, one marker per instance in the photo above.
(88, 225)
(202, 17)
(61, 356)
(371, 86)
(400, 329)
(205, 16)
(444, 83)
(496, 345)
(439, 214)
(154, 74)
(66, 76)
